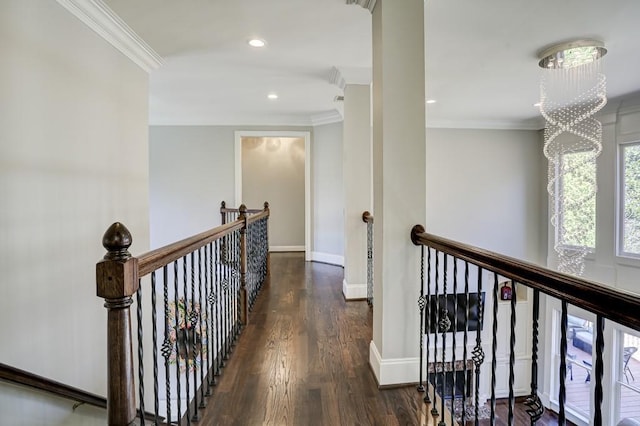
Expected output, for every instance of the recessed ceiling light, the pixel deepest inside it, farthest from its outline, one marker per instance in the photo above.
(272, 96)
(431, 101)
(256, 42)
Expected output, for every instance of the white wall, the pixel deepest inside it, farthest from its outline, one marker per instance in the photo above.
(327, 195)
(73, 159)
(191, 170)
(273, 169)
(484, 189)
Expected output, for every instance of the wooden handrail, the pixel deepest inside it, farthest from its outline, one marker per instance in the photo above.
(367, 217)
(24, 378)
(162, 256)
(34, 381)
(225, 209)
(614, 304)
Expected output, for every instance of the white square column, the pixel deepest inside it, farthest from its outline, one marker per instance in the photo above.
(357, 187)
(399, 182)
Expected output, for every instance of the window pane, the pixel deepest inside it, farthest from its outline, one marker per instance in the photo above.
(579, 364)
(631, 179)
(578, 200)
(629, 368)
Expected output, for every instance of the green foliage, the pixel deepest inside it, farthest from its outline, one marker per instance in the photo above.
(577, 195)
(631, 176)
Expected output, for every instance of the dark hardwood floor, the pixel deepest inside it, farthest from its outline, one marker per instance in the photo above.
(303, 360)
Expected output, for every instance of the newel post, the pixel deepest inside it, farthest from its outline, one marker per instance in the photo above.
(117, 281)
(266, 237)
(223, 206)
(244, 300)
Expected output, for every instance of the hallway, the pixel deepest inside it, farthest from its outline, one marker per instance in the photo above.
(303, 359)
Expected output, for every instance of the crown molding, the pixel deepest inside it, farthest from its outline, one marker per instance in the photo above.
(367, 4)
(343, 76)
(328, 117)
(101, 19)
(529, 124)
(336, 78)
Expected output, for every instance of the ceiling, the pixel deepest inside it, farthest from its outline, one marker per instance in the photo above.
(481, 57)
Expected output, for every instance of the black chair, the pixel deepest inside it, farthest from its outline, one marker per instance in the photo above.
(626, 356)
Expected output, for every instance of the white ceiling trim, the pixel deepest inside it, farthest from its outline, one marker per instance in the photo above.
(336, 78)
(367, 4)
(328, 117)
(532, 124)
(101, 19)
(226, 120)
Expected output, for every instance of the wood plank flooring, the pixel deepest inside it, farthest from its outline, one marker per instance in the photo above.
(303, 360)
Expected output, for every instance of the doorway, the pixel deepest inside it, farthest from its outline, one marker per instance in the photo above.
(274, 166)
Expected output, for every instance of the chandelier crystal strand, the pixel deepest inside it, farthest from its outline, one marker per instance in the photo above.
(570, 97)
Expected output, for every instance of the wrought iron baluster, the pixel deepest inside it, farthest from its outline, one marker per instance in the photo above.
(427, 324)
(200, 328)
(177, 334)
(434, 408)
(193, 319)
(444, 326)
(478, 352)
(140, 354)
(512, 351)
(535, 408)
(494, 348)
(207, 310)
(218, 305)
(185, 333)
(465, 338)
(599, 370)
(227, 303)
(421, 306)
(154, 333)
(454, 330)
(166, 343)
(562, 394)
(370, 263)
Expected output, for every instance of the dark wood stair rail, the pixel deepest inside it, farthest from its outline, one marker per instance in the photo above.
(610, 303)
(24, 378)
(117, 280)
(605, 302)
(34, 381)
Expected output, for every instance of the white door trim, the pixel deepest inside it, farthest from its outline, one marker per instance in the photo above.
(239, 134)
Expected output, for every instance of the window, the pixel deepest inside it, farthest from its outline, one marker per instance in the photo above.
(577, 200)
(630, 199)
(629, 377)
(579, 364)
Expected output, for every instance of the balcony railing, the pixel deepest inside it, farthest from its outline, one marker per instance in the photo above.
(462, 288)
(195, 295)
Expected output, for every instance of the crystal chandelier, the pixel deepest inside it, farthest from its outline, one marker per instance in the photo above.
(572, 91)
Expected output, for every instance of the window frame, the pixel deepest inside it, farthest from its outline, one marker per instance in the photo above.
(620, 202)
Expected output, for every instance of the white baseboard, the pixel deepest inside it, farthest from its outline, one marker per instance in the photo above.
(286, 248)
(332, 259)
(393, 371)
(354, 291)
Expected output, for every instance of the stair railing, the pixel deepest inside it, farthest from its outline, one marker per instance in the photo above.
(368, 219)
(207, 285)
(447, 289)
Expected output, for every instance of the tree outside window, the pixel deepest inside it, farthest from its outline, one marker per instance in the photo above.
(631, 198)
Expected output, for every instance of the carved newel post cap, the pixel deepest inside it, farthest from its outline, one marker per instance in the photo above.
(223, 205)
(266, 205)
(242, 209)
(117, 240)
